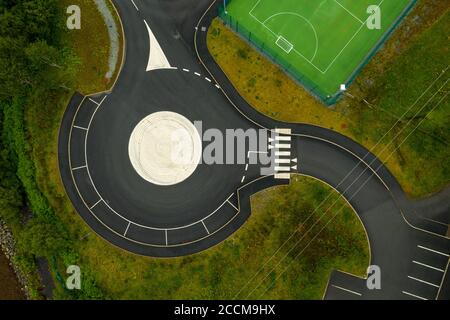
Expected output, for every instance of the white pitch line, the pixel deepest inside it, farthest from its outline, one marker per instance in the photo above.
(423, 281)
(135, 5)
(428, 266)
(432, 250)
(353, 292)
(413, 295)
(349, 11)
(81, 128)
(204, 225)
(95, 204)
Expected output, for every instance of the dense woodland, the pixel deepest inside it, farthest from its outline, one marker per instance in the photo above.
(36, 70)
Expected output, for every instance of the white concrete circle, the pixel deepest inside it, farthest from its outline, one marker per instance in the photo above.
(165, 148)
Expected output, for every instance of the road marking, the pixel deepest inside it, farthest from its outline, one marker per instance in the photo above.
(95, 204)
(413, 295)
(282, 153)
(185, 70)
(94, 101)
(426, 265)
(435, 251)
(207, 79)
(283, 146)
(81, 128)
(283, 138)
(423, 281)
(282, 169)
(232, 205)
(217, 86)
(167, 241)
(353, 292)
(197, 74)
(204, 225)
(126, 230)
(246, 167)
(282, 160)
(135, 5)
(78, 168)
(243, 178)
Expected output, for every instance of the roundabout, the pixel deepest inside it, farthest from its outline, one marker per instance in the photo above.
(165, 148)
(131, 159)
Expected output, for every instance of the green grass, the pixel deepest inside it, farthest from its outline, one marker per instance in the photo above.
(413, 57)
(330, 38)
(220, 272)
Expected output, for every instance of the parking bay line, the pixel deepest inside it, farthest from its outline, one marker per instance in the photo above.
(423, 281)
(427, 266)
(432, 250)
(414, 295)
(347, 290)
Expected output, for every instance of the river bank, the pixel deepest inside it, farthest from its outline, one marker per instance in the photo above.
(13, 283)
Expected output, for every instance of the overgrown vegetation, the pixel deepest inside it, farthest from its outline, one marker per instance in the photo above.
(399, 74)
(37, 76)
(222, 271)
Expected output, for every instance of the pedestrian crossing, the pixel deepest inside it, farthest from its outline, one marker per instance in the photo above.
(284, 164)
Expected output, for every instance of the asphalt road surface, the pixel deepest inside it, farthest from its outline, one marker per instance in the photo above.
(410, 248)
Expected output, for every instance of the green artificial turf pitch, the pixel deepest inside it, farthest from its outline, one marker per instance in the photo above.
(323, 43)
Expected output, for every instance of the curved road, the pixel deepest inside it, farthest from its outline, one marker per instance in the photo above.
(411, 249)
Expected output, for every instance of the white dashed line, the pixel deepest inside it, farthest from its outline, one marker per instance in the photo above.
(167, 242)
(185, 70)
(81, 128)
(134, 4)
(197, 74)
(217, 86)
(246, 167)
(243, 178)
(207, 79)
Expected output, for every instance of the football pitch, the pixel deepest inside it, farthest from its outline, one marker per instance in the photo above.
(321, 43)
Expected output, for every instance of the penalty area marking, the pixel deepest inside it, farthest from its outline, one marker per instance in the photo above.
(317, 43)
